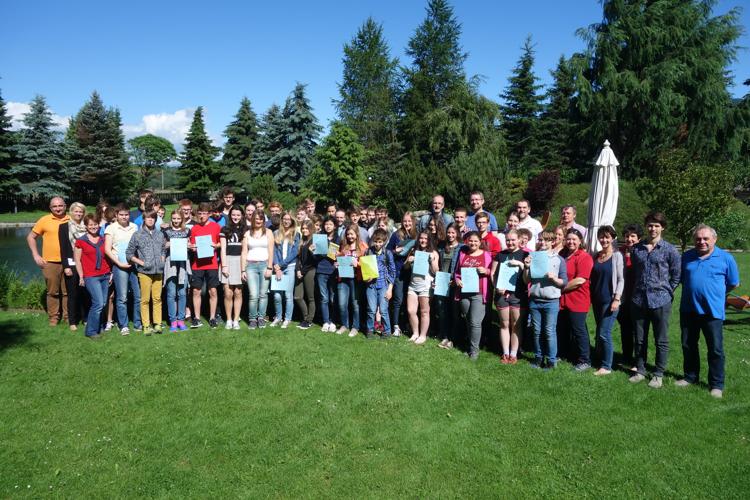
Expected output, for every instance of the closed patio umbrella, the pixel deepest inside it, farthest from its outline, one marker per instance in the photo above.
(603, 197)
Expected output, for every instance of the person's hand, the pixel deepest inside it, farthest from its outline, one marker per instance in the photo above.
(267, 273)
(279, 274)
(551, 275)
(244, 275)
(515, 263)
(527, 260)
(399, 249)
(299, 275)
(81, 282)
(483, 270)
(40, 261)
(459, 283)
(388, 294)
(312, 247)
(68, 272)
(166, 244)
(123, 265)
(225, 271)
(615, 305)
(410, 258)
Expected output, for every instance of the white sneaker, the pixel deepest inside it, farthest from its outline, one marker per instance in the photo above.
(108, 326)
(236, 325)
(285, 324)
(396, 331)
(353, 332)
(341, 330)
(125, 331)
(229, 325)
(275, 322)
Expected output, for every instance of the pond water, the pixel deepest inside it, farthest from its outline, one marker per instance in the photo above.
(15, 252)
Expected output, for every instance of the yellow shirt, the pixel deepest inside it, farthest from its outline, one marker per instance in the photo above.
(48, 227)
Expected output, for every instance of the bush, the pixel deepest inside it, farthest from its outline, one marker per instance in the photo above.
(542, 189)
(16, 293)
(733, 227)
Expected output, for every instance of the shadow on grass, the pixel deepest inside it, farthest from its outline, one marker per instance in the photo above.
(13, 333)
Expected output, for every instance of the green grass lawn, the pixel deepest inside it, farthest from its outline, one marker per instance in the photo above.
(287, 413)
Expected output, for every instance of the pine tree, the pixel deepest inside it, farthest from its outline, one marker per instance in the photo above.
(432, 80)
(368, 92)
(293, 161)
(242, 136)
(39, 168)
(96, 162)
(655, 78)
(556, 147)
(8, 183)
(199, 172)
(521, 112)
(340, 173)
(270, 141)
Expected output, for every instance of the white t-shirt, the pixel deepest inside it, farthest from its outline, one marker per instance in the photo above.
(120, 236)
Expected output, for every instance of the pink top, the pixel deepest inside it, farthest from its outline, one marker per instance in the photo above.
(466, 260)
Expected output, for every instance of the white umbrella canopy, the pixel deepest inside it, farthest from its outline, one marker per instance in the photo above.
(604, 195)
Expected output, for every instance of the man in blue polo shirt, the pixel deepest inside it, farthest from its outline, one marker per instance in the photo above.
(708, 275)
(476, 202)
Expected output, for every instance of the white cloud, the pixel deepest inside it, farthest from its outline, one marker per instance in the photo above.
(17, 110)
(172, 126)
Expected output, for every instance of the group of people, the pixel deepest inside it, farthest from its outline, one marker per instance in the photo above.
(352, 270)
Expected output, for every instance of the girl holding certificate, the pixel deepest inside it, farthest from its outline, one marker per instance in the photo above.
(176, 272)
(231, 265)
(511, 298)
(286, 248)
(472, 287)
(420, 285)
(325, 275)
(350, 289)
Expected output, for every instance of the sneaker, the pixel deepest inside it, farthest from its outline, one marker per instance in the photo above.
(275, 322)
(396, 331)
(182, 326)
(473, 356)
(602, 371)
(252, 324)
(656, 383)
(682, 383)
(157, 329)
(73, 328)
(229, 325)
(505, 359)
(148, 331)
(385, 336)
(96, 336)
(195, 323)
(108, 326)
(353, 332)
(285, 324)
(304, 325)
(536, 364)
(213, 323)
(717, 393)
(236, 325)
(138, 328)
(581, 367)
(124, 331)
(445, 344)
(173, 326)
(638, 377)
(261, 322)
(549, 367)
(341, 330)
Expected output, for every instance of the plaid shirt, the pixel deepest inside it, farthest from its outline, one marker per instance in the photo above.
(656, 274)
(386, 269)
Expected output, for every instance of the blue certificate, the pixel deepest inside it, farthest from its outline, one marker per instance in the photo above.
(321, 244)
(469, 280)
(204, 246)
(442, 283)
(178, 249)
(285, 284)
(507, 277)
(421, 263)
(346, 267)
(121, 251)
(539, 264)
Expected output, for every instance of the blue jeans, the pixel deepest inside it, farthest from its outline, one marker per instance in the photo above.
(658, 318)
(288, 296)
(124, 280)
(98, 288)
(691, 325)
(257, 288)
(326, 287)
(375, 300)
(348, 294)
(399, 287)
(176, 299)
(544, 319)
(605, 320)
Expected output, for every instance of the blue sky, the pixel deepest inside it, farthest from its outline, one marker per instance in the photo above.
(157, 61)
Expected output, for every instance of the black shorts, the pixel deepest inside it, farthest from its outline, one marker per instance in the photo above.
(208, 276)
(509, 300)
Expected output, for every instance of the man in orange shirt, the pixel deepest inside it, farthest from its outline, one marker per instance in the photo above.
(50, 261)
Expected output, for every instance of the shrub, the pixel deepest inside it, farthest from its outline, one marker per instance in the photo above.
(542, 189)
(732, 227)
(17, 293)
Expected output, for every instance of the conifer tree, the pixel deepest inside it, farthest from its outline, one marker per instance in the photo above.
(521, 112)
(242, 136)
(556, 147)
(96, 162)
(39, 168)
(339, 173)
(270, 141)
(293, 161)
(199, 172)
(8, 182)
(656, 78)
(368, 91)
